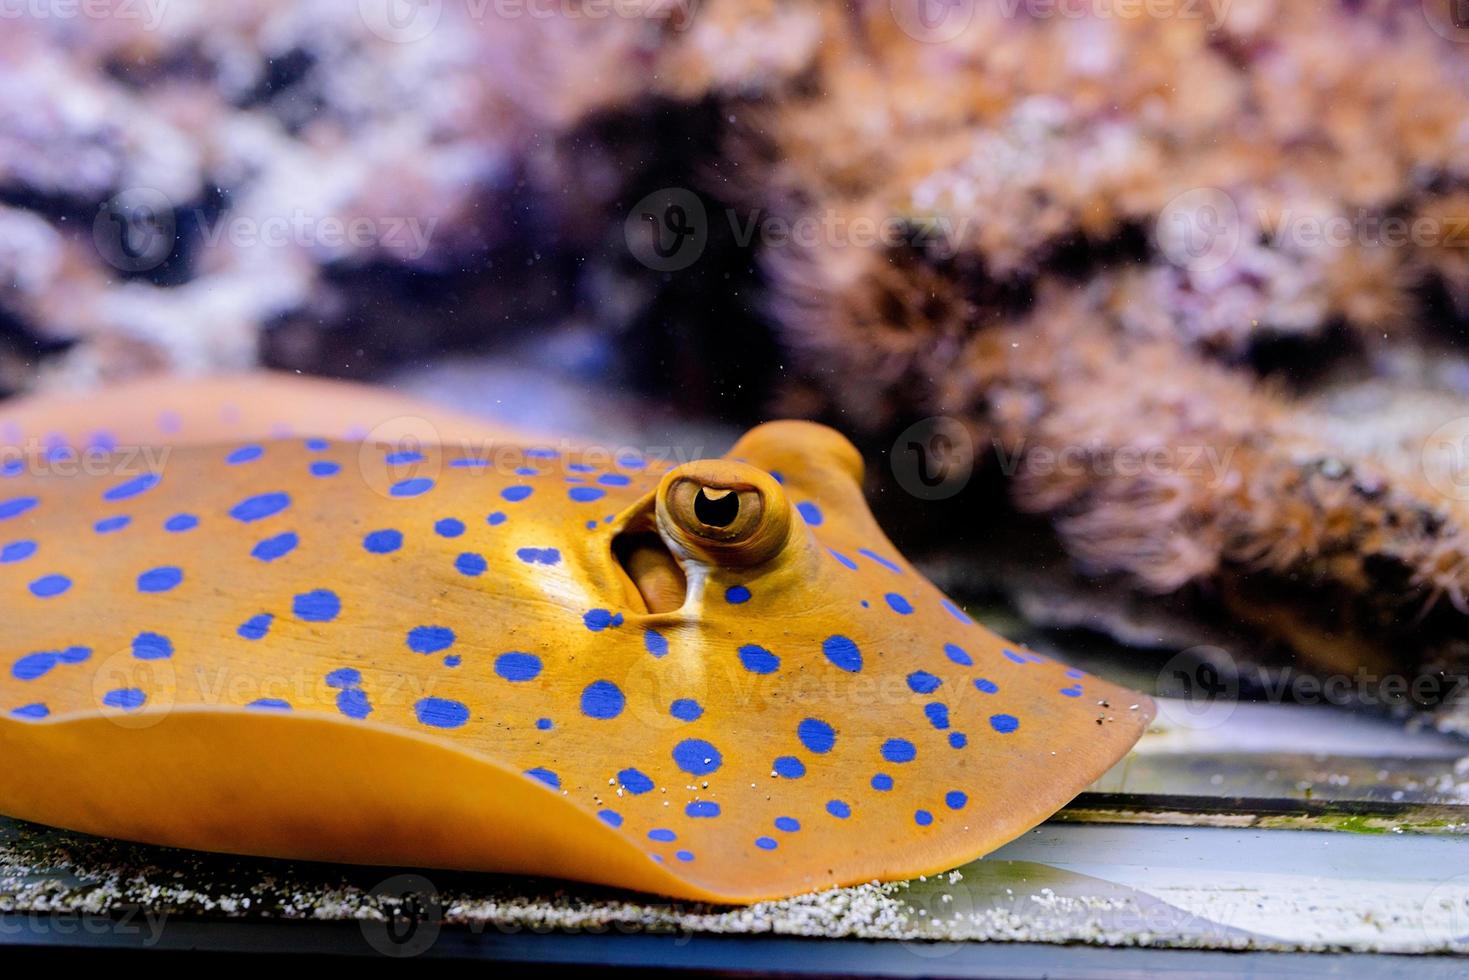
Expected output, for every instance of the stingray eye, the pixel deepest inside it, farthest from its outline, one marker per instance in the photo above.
(730, 512)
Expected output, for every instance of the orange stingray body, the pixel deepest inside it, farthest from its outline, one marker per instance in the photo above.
(714, 681)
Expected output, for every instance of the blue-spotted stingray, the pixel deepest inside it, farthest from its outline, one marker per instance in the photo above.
(239, 616)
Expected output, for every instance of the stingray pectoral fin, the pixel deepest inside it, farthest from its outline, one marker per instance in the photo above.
(308, 787)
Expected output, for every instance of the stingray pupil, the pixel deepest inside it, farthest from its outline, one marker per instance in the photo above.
(720, 512)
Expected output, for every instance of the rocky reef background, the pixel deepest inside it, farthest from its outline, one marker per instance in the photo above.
(1149, 315)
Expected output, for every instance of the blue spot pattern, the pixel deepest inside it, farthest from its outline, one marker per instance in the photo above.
(441, 713)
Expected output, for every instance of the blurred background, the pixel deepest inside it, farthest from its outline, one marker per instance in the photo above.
(1148, 315)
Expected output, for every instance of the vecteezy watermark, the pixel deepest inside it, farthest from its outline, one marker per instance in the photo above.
(1446, 916)
(137, 231)
(1199, 229)
(1200, 688)
(1448, 18)
(149, 12)
(933, 459)
(121, 920)
(668, 230)
(401, 21)
(412, 917)
(933, 21)
(1444, 458)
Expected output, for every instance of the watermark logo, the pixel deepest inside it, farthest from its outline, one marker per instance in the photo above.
(933, 459)
(933, 21)
(401, 21)
(1448, 18)
(1201, 688)
(135, 230)
(1444, 459)
(1446, 915)
(137, 686)
(668, 230)
(1199, 229)
(413, 917)
(400, 457)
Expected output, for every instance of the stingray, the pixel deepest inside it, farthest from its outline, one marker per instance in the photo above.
(240, 616)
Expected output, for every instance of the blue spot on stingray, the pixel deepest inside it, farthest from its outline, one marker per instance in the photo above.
(842, 652)
(787, 825)
(956, 612)
(789, 767)
(581, 468)
(922, 817)
(441, 713)
(758, 660)
(686, 709)
(414, 487)
(17, 551)
(736, 595)
(109, 524)
(610, 817)
(125, 699)
(898, 604)
(585, 495)
(955, 800)
(603, 700)
(33, 666)
(471, 564)
(684, 855)
(495, 519)
(1074, 691)
(816, 735)
(544, 724)
(874, 556)
(986, 685)
(353, 703)
(539, 556)
(842, 558)
(317, 606)
(1004, 724)
(256, 627)
(922, 682)
(598, 620)
(244, 454)
(324, 467)
(766, 843)
(957, 740)
(958, 654)
(527, 471)
(697, 757)
(899, 750)
(516, 493)
(48, 586)
(634, 781)
(453, 660)
(344, 677)
(133, 487)
(449, 527)
(655, 643)
(518, 667)
(74, 655)
(277, 547)
(259, 507)
(838, 809)
(811, 513)
(152, 646)
(613, 480)
(702, 809)
(270, 704)
(162, 579)
(383, 542)
(33, 711)
(470, 463)
(181, 522)
(11, 467)
(398, 459)
(662, 834)
(938, 714)
(317, 445)
(16, 506)
(1013, 657)
(430, 639)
